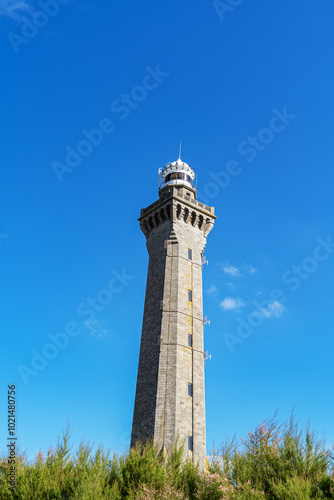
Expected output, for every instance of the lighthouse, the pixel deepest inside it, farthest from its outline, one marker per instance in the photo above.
(170, 392)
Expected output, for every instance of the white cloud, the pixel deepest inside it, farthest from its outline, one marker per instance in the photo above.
(230, 270)
(250, 269)
(236, 271)
(213, 290)
(231, 304)
(14, 8)
(275, 309)
(95, 327)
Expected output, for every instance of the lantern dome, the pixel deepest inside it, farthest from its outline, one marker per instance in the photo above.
(177, 173)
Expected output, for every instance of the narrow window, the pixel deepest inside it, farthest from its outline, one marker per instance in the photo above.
(190, 254)
(190, 295)
(190, 340)
(190, 390)
(190, 443)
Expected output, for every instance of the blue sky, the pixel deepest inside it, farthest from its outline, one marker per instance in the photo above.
(95, 97)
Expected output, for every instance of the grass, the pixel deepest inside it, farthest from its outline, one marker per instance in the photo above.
(275, 461)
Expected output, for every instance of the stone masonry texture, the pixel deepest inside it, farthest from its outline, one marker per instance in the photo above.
(163, 411)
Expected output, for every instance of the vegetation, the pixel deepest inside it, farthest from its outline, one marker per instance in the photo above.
(277, 462)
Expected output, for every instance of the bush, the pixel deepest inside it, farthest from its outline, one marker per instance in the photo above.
(280, 461)
(276, 462)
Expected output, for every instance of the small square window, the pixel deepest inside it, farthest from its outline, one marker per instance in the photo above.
(190, 443)
(190, 340)
(190, 390)
(190, 295)
(190, 254)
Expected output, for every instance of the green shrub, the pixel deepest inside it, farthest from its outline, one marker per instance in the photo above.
(275, 462)
(279, 459)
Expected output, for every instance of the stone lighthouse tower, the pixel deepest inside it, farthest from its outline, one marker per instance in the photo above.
(170, 395)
